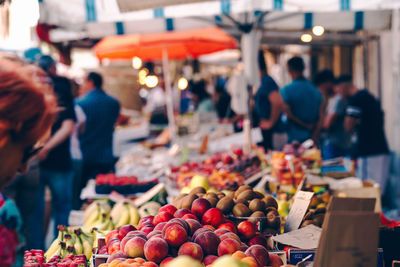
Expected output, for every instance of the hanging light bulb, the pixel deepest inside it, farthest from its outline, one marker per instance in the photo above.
(136, 63)
(318, 30)
(142, 76)
(306, 38)
(151, 81)
(182, 83)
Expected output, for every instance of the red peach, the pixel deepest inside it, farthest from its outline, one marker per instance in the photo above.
(194, 225)
(200, 206)
(213, 217)
(189, 216)
(162, 217)
(231, 236)
(191, 249)
(243, 247)
(147, 230)
(135, 247)
(259, 239)
(229, 226)
(275, 260)
(137, 233)
(124, 230)
(212, 228)
(168, 208)
(259, 253)
(153, 233)
(247, 229)
(149, 264)
(179, 221)
(228, 246)
(165, 261)
(156, 249)
(113, 245)
(181, 212)
(221, 231)
(208, 260)
(175, 235)
(157, 235)
(146, 220)
(111, 234)
(117, 255)
(124, 241)
(160, 226)
(208, 241)
(199, 231)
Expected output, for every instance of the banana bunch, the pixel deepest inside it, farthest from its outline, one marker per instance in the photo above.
(124, 212)
(71, 241)
(97, 215)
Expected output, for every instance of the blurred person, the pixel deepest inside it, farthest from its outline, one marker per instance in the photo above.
(365, 117)
(302, 102)
(96, 141)
(336, 142)
(55, 158)
(200, 96)
(156, 105)
(223, 101)
(26, 115)
(268, 104)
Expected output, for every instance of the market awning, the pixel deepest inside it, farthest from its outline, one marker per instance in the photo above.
(128, 5)
(178, 44)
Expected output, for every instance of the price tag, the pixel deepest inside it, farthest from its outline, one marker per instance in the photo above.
(299, 208)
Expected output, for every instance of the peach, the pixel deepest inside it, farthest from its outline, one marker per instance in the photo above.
(124, 230)
(229, 226)
(139, 260)
(191, 249)
(111, 234)
(137, 233)
(181, 212)
(231, 236)
(251, 262)
(212, 228)
(239, 255)
(124, 241)
(149, 264)
(199, 231)
(243, 247)
(228, 246)
(259, 239)
(179, 221)
(114, 263)
(168, 208)
(200, 206)
(117, 255)
(162, 216)
(221, 231)
(165, 261)
(275, 260)
(135, 247)
(160, 226)
(113, 245)
(157, 235)
(246, 229)
(190, 216)
(175, 234)
(156, 249)
(259, 253)
(193, 225)
(208, 260)
(146, 220)
(147, 230)
(155, 232)
(213, 217)
(208, 241)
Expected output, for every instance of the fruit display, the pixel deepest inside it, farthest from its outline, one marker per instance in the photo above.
(101, 216)
(316, 210)
(35, 258)
(240, 205)
(126, 185)
(287, 169)
(226, 170)
(199, 231)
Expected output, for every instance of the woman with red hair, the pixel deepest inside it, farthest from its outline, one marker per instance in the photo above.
(27, 111)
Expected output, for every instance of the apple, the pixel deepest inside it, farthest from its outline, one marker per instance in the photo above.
(200, 206)
(191, 249)
(213, 217)
(246, 229)
(228, 246)
(156, 249)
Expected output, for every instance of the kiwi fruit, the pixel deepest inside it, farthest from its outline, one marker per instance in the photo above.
(243, 201)
(200, 195)
(273, 219)
(176, 201)
(257, 205)
(197, 190)
(246, 195)
(230, 194)
(269, 209)
(186, 202)
(271, 231)
(270, 202)
(213, 200)
(258, 195)
(257, 214)
(241, 189)
(211, 194)
(220, 195)
(225, 204)
(241, 210)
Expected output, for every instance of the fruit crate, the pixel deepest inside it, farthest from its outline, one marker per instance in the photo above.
(100, 258)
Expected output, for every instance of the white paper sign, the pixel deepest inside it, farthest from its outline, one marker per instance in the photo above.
(304, 238)
(299, 208)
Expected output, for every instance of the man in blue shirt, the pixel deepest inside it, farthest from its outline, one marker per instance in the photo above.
(302, 103)
(96, 141)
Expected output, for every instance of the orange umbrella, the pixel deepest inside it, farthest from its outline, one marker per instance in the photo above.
(178, 45)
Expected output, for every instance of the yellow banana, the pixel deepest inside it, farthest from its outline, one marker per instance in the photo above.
(94, 217)
(117, 211)
(56, 243)
(92, 208)
(134, 216)
(87, 243)
(78, 245)
(124, 217)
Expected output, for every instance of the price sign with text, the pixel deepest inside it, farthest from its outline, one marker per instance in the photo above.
(299, 208)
